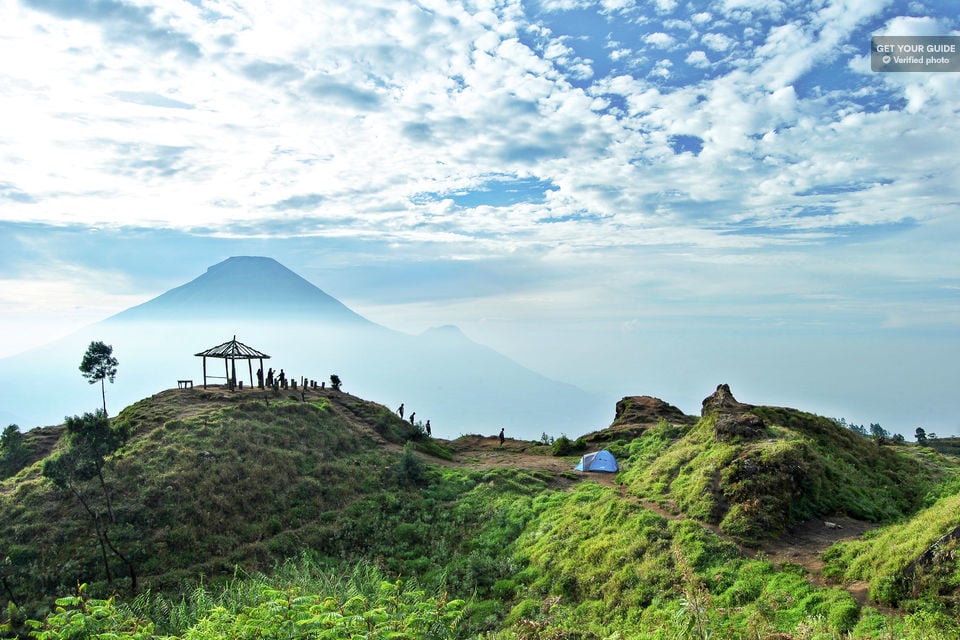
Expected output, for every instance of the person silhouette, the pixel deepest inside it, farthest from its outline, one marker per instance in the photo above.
(501, 436)
(400, 410)
(411, 417)
(429, 433)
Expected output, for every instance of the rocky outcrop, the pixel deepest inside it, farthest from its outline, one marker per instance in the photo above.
(634, 415)
(722, 400)
(734, 419)
(647, 410)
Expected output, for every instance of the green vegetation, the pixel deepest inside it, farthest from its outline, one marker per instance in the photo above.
(798, 467)
(89, 440)
(893, 559)
(948, 446)
(299, 601)
(327, 516)
(13, 452)
(564, 446)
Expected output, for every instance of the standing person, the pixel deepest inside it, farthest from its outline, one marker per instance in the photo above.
(283, 379)
(411, 416)
(260, 378)
(400, 411)
(501, 436)
(429, 433)
(270, 377)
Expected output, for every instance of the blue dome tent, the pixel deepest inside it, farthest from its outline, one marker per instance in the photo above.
(598, 461)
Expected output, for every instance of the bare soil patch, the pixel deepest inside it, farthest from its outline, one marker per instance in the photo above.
(806, 542)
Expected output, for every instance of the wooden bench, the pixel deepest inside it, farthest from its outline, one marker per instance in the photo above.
(185, 384)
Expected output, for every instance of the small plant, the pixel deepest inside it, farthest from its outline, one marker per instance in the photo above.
(695, 605)
(410, 469)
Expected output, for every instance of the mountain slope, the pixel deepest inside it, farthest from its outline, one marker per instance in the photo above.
(248, 285)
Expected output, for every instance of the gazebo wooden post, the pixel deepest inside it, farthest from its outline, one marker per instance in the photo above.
(250, 364)
(204, 372)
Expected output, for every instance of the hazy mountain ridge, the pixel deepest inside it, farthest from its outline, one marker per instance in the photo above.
(461, 386)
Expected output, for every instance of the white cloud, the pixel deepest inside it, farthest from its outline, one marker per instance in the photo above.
(717, 41)
(697, 59)
(659, 39)
(914, 26)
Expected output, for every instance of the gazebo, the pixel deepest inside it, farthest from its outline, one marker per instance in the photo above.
(231, 351)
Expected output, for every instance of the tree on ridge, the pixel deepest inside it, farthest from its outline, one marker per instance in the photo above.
(99, 364)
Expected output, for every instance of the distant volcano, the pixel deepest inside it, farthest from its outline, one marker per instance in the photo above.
(250, 285)
(460, 386)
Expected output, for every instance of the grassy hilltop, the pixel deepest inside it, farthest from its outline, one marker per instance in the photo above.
(245, 514)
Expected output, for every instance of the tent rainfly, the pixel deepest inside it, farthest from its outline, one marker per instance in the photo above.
(231, 351)
(598, 461)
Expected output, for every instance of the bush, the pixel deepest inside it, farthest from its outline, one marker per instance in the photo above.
(564, 446)
(410, 470)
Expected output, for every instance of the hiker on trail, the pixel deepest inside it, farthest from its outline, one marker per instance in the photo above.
(501, 436)
(400, 411)
(411, 416)
(428, 428)
(283, 379)
(260, 378)
(270, 377)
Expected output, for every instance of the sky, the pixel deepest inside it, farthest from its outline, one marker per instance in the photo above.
(637, 197)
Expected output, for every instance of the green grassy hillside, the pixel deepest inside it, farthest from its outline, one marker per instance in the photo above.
(756, 471)
(209, 482)
(910, 563)
(251, 515)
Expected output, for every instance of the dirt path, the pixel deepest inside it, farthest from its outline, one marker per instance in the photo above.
(481, 452)
(805, 544)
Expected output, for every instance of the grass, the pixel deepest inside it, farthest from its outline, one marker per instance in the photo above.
(237, 507)
(801, 467)
(883, 556)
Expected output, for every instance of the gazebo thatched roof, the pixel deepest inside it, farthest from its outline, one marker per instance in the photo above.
(233, 350)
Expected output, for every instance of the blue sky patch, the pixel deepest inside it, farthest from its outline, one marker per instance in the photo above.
(496, 193)
(686, 144)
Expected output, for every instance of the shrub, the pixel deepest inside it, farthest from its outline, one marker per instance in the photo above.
(409, 470)
(564, 446)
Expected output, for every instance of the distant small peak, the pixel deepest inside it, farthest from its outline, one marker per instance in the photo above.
(445, 330)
